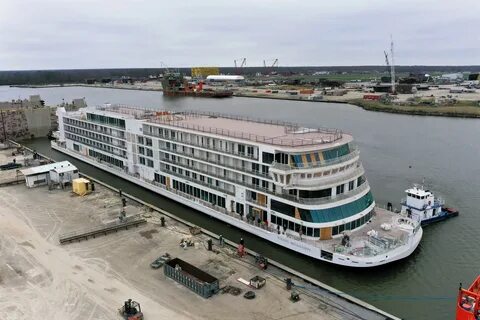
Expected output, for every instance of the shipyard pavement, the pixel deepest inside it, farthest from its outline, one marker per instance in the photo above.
(41, 279)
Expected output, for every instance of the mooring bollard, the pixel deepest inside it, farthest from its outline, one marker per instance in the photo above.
(220, 241)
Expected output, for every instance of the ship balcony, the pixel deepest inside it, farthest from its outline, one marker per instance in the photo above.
(282, 168)
(311, 181)
(324, 200)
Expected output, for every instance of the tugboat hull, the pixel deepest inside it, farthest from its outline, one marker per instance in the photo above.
(447, 213)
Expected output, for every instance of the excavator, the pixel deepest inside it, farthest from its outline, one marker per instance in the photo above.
(131, 310)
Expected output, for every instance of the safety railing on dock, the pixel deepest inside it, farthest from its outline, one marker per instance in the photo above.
(100, 230)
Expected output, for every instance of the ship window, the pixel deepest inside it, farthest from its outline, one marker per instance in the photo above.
(350, 185)
(282, 222)
(340, 189)
(309, 232)
(283, 208)
(315, 193)
(326, 173)
(360, 181)
(304, 230)
(335, 231)
(250, 151)
(291, 225)
(241, 149)
(267, 157)
(316, 232)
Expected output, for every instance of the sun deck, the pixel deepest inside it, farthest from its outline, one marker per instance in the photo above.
(262, 131)
(269, 132)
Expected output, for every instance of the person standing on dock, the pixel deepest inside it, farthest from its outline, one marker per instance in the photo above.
(241, 248)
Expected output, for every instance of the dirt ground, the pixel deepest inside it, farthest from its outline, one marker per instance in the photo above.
(41, 279)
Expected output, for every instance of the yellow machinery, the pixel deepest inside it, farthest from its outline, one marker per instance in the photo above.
(82, 186)
(203, 72)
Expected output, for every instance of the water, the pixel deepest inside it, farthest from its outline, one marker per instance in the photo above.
(396, 150)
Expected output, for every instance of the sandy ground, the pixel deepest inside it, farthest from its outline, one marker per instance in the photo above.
(40, 279)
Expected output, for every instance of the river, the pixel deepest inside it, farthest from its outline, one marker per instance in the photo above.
(396, 150)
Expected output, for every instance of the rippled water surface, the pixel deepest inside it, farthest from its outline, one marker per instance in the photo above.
(396, 150)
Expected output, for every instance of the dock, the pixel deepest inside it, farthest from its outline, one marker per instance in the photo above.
(56, 216)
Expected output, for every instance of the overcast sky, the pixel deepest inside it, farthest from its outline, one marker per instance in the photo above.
(67, 34)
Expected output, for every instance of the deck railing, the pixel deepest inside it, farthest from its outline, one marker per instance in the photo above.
(177, 120)
(311, 165)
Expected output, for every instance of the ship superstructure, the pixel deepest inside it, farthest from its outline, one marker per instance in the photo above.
(301, 188)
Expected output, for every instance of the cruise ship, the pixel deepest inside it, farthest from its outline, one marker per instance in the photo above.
(301, 188)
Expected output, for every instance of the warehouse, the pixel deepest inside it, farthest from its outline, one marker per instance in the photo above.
(225, 79)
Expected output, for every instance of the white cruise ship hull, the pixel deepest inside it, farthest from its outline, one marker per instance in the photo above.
(303, 247)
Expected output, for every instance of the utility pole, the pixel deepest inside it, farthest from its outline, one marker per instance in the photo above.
(3, 126)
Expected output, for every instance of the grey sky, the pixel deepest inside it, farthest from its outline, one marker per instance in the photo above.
(64, 34)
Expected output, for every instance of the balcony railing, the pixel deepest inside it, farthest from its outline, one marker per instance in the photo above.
(312, 165)
(337, 177)
(221, 177)
(106, 140)
(323, 200)
(203, 146)
(212, 161)
(169, 171)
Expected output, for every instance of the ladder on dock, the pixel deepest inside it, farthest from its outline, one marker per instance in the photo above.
(100, 230)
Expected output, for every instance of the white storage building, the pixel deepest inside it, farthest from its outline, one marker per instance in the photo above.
(225, 78)
(58, 172)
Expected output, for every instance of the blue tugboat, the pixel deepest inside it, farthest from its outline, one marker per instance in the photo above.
(421, 205)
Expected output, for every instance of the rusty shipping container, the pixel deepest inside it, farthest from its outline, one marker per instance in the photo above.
(191, 277)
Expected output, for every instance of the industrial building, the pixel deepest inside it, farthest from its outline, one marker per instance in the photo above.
(203, 72)
(53, 173)
(225, 79)
(26, 118)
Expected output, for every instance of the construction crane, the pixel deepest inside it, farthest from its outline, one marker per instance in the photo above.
(164, 65)
(240, 65)
(269, 69)
(387, 63)
(392, 66)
